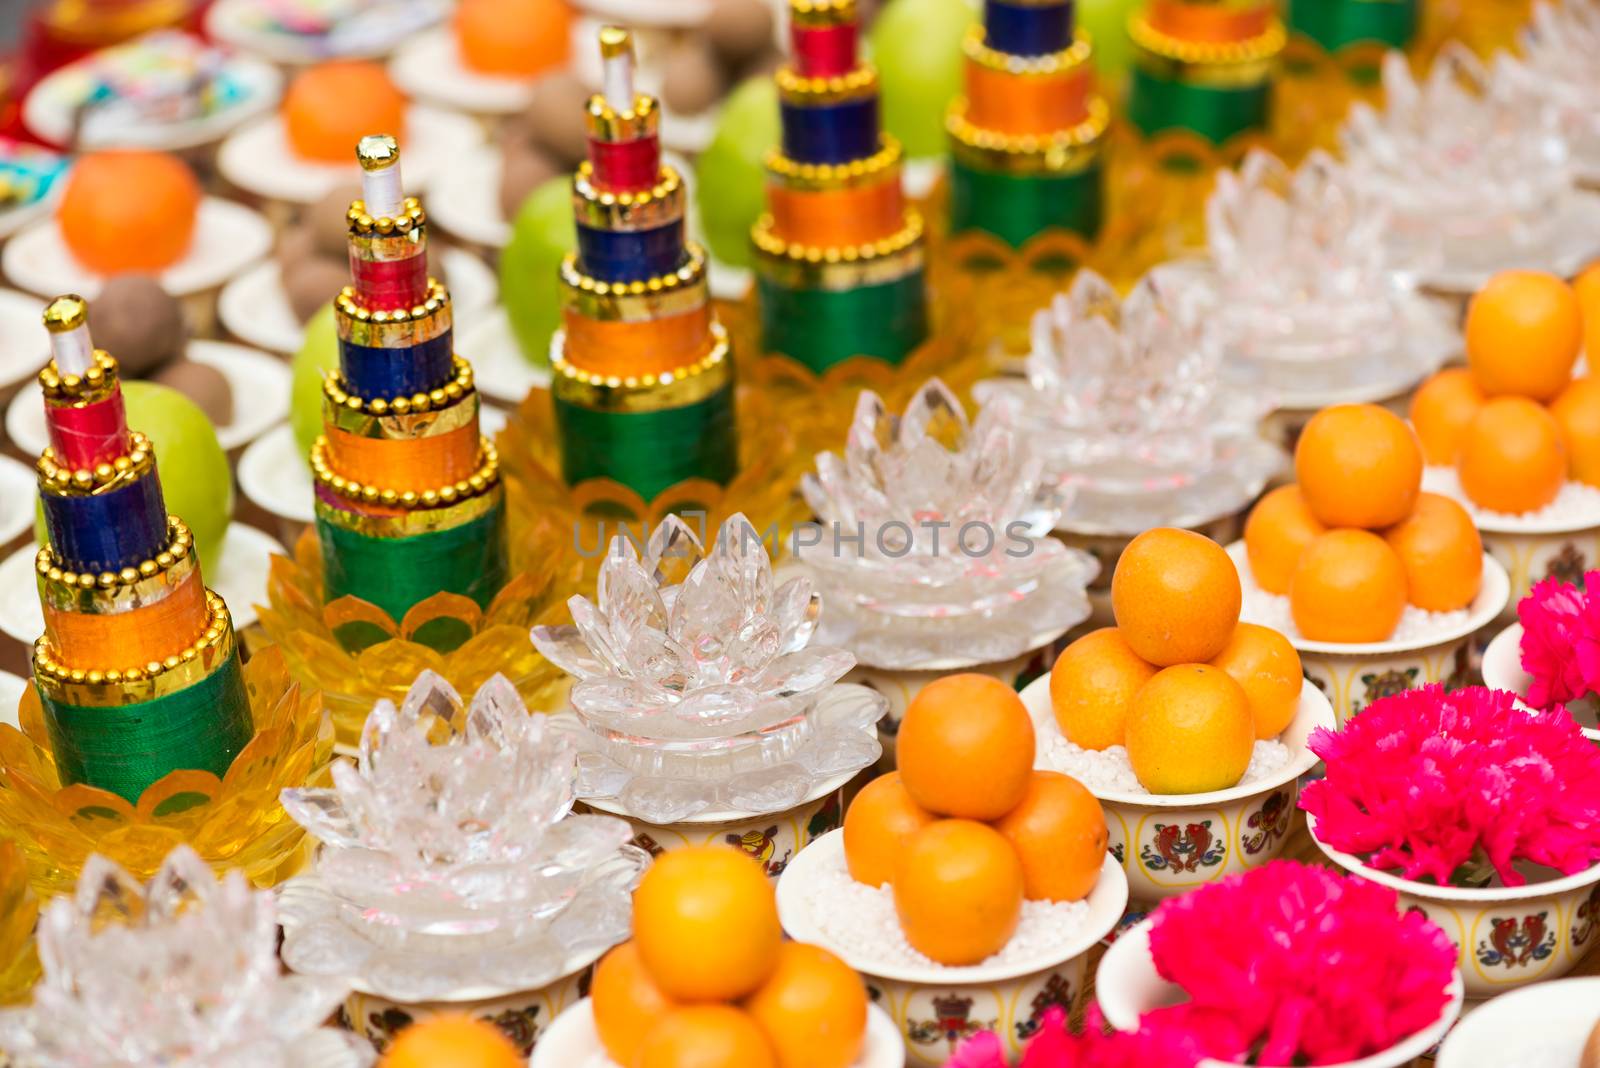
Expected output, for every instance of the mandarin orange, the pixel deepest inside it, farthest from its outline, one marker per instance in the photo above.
(1442, 554)
(1513, 460)
(128, 210)
(880, 820)
(958, 889)
(1350, 587)
(330, 107)
(813, 1009)
(1523, 332)
(1278, 530)
(1587, 287)
(1092, 686)
(1577, 413)
(1191, 731)
(626, 1002)
(515, 38)
(1176, 596)
(705, 923)
(1442, 409)
(1267, 668)
(707, 1036)
(1358, 465)
(1059, 833)
(451, 1040)
(965, 747)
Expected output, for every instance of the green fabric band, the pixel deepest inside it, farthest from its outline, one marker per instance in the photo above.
(822, 327)
(396, 573)
(126, 748)
(1333, 24)
(650, 451)
(1214, 112)
(1016, 207)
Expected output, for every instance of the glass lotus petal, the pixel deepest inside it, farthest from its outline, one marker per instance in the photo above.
(1555, 67)
(232, 822)
(934, 540)
(450, 853)
(19, 909)
(1474, 179)
(696, 683)
(182, 971)
(1126, 403)
(1303, 300)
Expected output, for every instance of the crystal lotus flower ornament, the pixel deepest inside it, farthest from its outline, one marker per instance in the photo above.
(1304, 302)
(181, 973)
(1556, 68)
(1126, 403)
(934, 542)
(697, 686)
(450, 854)
(1474, 179)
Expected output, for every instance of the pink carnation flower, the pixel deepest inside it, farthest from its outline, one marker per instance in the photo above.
(1425, 781)
(1558, 628)
(1054, 1046)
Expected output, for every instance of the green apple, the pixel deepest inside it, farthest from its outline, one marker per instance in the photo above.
(319, 354)
(1107, 23)
(916, 45)
(541, 236)
(730, 176)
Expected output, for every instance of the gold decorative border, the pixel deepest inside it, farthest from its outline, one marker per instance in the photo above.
(642, 393)
(485, 478)
(63, 481)
(796, 88)
(643, 209)
(95, 384)
(630, 302)
(439, 413)
(111, 592)
(1071, 58)
(814, 14)
(412, 523)
(438, 297)
(858, 172)
(1254, 52)
(770, 244)
(137, 684)
(843, 274)
(460, 386)
(411, 216)
(1068, 151)
(605, 123)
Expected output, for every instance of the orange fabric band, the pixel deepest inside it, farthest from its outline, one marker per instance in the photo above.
(130, 639)
(1021, 106)
(418, 464)
(1209, 22)
(648, 347)
(834, 217)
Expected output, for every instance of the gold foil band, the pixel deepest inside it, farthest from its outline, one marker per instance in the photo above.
(606, 124)
(414, 521)
(139, 683)
(645, 209)
(410, 218)
(796, 88)
(1070, 151)
(115, 592)
(1068, 59)
(333, 388)
(95, 384)
(875, 168)
(486, 477)
(54, 477)
(667, 294)
(645, 393)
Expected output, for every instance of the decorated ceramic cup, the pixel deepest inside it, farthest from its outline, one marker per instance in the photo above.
(1171, 843)
(1127, 986)
(1502, 670)
(1506, 936)
(936, 1008)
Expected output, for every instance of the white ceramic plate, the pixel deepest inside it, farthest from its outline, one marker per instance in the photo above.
(429, 67)
(1544, 1025)
(237, 22)
(255, 308)
(257, 158)
(1502, 670)
(464, 198)
(228, 237)
(663, 13)
(259, 383)
(24, 345)
(17, 493)
(241, 580)
(11, 691)
(497, 362)
(1445, 482)
(49, 107)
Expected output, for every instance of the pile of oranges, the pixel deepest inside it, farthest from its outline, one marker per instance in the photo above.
(967, 830)
(709, 982)
(1354, 539)
(1179, 681)
(1513, 422)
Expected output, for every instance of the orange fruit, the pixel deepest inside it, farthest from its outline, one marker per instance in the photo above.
(1267, 668)
(1059, 833)
(451, 1040)
(705, 923)
(1523, 332)
(1092, 687)
(1442, 409)
(1278, 530)
(1192, 731)
(813, 1009)
(958, 889)
(627, 1003)
(1577, 413)
(330, 107)
(1176, 596)
(707, 1036)
(1358, 465)
(880, 820)
(1442, 554)
(128, 210)
(1513, 460)
(965, 747)
(1350, 587)
(513, 37)
(1587, 287)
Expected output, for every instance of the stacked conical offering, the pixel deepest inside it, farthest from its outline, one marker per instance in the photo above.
(643, 381)
(1335, 24)
(1025, 137)
(839, 256)
(137, 672)
(1206, 66)
(409, 500)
